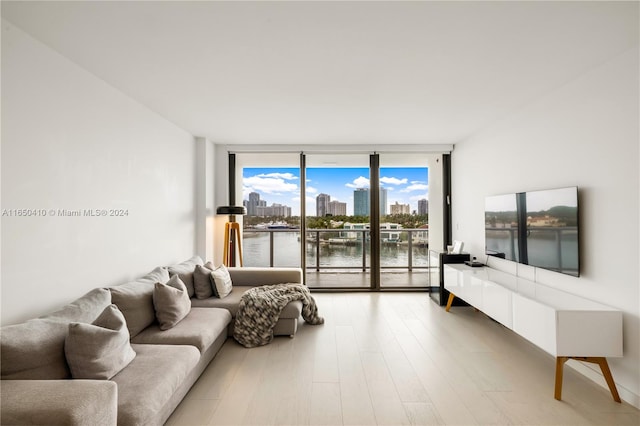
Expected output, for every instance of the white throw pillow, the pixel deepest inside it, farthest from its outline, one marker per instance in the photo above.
(222, 281)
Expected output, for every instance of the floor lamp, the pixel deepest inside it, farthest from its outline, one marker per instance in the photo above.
(232, 241)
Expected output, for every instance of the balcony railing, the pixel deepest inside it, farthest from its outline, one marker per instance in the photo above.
(336, 249)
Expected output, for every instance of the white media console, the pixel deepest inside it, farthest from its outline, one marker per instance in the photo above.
(565, 325)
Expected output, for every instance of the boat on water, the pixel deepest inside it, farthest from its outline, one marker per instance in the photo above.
(273, 225)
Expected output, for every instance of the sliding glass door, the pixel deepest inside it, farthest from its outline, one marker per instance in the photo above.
(366, 220)
(270, 190)
(337, 242)
(410, 196)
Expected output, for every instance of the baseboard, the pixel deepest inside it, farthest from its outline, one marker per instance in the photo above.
(595, 375)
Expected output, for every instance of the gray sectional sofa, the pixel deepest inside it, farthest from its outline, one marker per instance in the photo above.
(36, 385)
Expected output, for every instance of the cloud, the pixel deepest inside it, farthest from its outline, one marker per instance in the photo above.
(418, 197)
(269, 184)
(360, 182)
(416, 187)
(312, 190)
(393, 180)
(285, 176)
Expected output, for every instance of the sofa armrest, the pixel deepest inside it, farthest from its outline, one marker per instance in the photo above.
(255, 276)
(59, 402)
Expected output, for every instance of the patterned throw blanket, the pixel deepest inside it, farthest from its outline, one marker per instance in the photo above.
(260, 308)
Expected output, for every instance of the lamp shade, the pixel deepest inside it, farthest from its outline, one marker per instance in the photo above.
(235, 210)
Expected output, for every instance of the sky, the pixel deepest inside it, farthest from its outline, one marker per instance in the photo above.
(406, 185)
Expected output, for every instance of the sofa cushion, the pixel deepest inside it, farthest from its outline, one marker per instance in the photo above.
(85, 309)
(222, 281)
(263, 275)
(101, 349)
(171, 302)
(59, 402)
(35, 349)
(185, 271)
(200, 328)
(232, 301)
(202, 282)
(135, 300)
(150, 380)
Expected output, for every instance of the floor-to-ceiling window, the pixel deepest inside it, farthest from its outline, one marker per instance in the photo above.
(269, 186)
(366, 220)
(338, 245)
(410, 197)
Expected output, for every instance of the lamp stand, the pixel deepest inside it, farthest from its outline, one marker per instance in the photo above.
(231, 241)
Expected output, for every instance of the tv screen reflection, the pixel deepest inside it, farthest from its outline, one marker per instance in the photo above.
(537, 228)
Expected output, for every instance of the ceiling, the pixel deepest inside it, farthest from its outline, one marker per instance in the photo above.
(333, 72)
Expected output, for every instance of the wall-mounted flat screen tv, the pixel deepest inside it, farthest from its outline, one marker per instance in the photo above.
(537, 228)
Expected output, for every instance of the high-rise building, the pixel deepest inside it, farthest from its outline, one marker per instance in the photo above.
(361, 202)
(252, 204)
(322, 204)
(274, 209)
(383, 201)
(423, 206)
(400, 208)
(336, 208)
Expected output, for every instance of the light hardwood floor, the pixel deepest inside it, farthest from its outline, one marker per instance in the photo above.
(394, 359)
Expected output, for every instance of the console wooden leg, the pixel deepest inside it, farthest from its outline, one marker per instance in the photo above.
(450, 301)
(604, 366)
(559, 370)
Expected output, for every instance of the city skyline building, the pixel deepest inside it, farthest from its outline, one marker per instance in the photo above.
(337, 208)
(274, 209)
(361, 202)
(257, 207)
(423, 206)
(383, 201)
(322, 204)
(398, 208)
(253, 203)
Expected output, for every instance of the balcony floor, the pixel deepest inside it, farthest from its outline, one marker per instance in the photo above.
(358, 279)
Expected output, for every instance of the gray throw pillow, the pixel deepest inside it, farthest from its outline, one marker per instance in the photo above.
(135, 300)
(222, 281)
(185, 271)
(101, 349)
(171, 302)
(202, 282)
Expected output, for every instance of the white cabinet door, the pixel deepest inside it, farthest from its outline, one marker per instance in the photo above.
(535, 322)
(496, 302)
(453, 280)
(597, 333)
(472, 283)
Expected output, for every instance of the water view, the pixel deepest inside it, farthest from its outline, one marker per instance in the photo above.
(286, 253)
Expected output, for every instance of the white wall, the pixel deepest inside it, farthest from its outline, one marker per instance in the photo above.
(70, 141)
(586, 134)
(205, 193)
